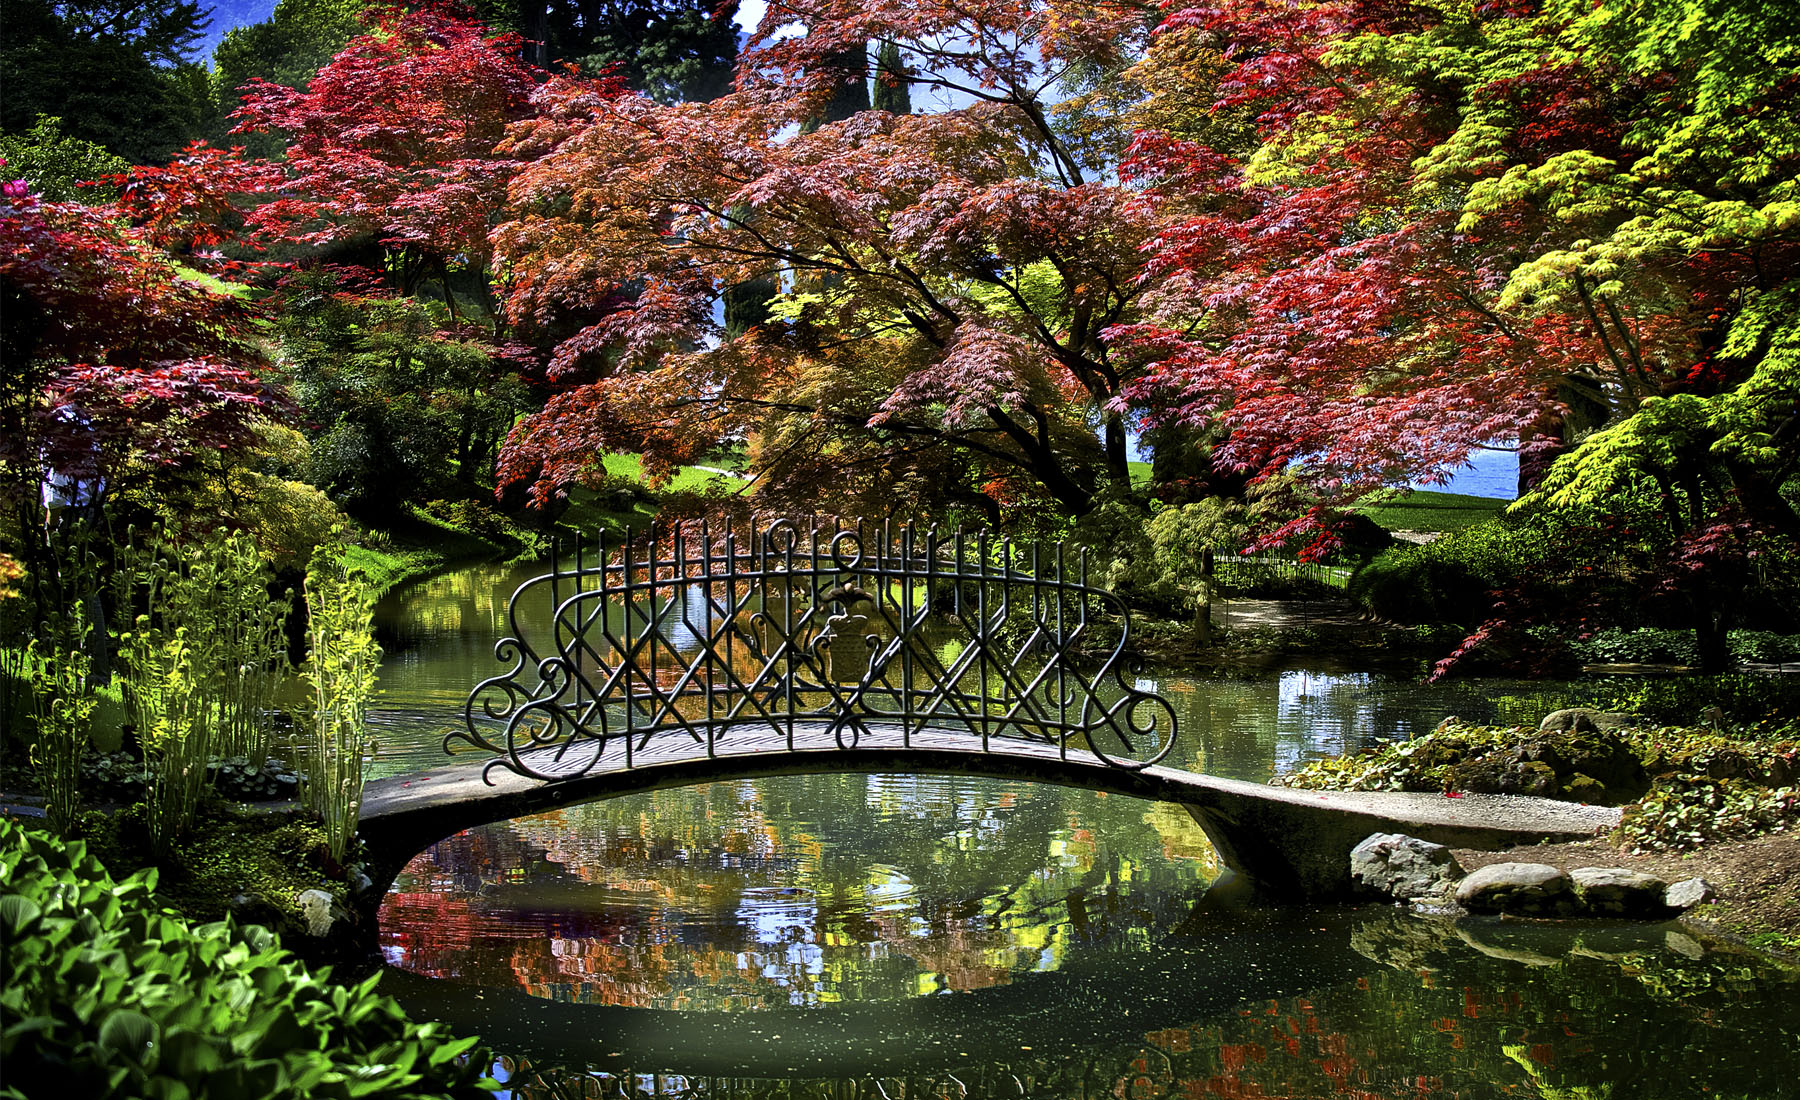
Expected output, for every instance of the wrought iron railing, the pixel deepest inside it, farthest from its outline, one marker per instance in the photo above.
(728, 640)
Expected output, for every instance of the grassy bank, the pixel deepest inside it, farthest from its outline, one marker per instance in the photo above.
(1432, 512)
(421, 542)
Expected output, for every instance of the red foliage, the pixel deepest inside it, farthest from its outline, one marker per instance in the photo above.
(395, 136)
(959, 266)
(98, 319)
(1332, 313)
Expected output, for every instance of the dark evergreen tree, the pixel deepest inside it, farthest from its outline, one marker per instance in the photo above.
(851, 94)
(117, 72)
(671, 50)
(287, 48)
(890, 92)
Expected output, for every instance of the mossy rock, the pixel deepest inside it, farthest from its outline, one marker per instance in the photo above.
(1502, 773)
(1580, 765)
(1600, 757)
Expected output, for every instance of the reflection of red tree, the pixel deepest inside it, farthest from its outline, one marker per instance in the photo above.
(436, 934)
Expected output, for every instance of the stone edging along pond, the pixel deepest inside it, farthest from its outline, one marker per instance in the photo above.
(1427, 876)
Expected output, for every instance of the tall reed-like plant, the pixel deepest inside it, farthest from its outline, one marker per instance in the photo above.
(63, 702)
(218, 592)
(201, 666)
(174, 722)
(340, 676)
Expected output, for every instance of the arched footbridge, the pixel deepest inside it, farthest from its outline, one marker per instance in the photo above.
(712, 656)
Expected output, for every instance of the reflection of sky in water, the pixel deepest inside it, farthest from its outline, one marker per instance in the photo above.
(1333, 706)
(807, 890)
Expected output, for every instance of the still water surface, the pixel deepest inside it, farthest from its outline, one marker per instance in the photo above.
(881, 935)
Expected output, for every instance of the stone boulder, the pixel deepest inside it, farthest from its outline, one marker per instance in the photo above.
(321, 912)
(1596, 767)
(1617, 892)
(1403, 867)
(1585, 720)
(1688, 893)
(1534, 889)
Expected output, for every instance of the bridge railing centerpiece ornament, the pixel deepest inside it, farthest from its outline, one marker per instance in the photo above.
(874, 635)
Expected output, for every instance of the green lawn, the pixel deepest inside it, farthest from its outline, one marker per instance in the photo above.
(1424, 510)
(691, 479)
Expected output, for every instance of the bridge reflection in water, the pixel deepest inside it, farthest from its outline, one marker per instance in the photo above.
(1374, 1006)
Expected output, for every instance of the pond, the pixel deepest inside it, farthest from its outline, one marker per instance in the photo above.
(874, 935)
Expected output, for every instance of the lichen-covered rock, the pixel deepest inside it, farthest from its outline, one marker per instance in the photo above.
(1618, 892)
(321, 911)
(1688, 893)
(1582, 766)
(1536, 889)
(1585, 720)
(1403, 867)
(1506, 773)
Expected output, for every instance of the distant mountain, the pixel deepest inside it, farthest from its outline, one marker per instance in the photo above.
(227, 14)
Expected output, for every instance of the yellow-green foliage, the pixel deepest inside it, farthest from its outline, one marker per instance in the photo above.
(341, 660)
(173, 720)
(201, 665)
(1707, 786)
(63, 702)
(287, 518)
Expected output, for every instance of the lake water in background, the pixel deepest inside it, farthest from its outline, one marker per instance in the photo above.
(874, 936)
(1488, 474)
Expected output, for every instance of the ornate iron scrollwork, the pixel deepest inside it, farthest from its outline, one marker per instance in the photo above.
(716, 635)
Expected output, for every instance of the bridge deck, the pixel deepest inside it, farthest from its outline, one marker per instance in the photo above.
(1296, 841)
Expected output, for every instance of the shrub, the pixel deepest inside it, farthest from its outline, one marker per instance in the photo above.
(1764, 647)
(1644, 645)
(1745, 698)
(1452, 578)
(105, 995)
(1687, 810)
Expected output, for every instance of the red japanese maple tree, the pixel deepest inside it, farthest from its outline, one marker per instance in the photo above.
(947, 276)
(395, 138)
(119, 370)
(1534, 220)
(98, 318)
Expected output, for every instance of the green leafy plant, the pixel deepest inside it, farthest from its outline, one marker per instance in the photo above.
(340, 675)
(1645, 645)
(106, 995)
(63, 701)
(217, 591)
(201, 666)
(172, 720)
(1685, 810)
(1745, 698)
(1452, 578)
